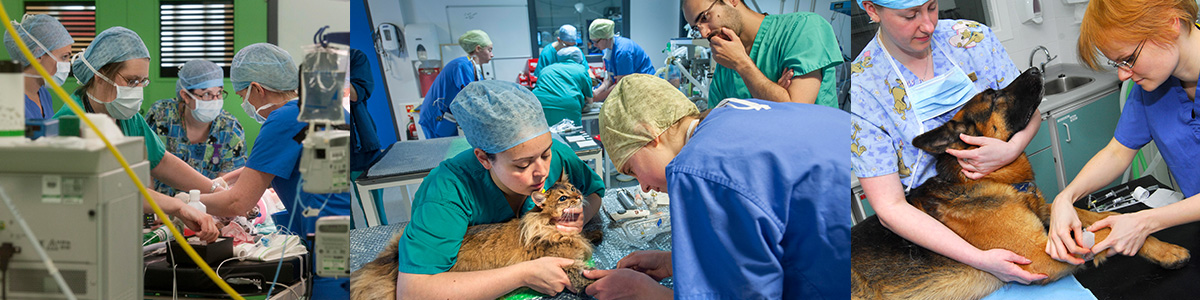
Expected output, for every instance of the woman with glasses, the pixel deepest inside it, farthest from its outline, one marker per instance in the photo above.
(912, 77)
(50, 44)
(193, 125)
(1155, 43)
(112, 72)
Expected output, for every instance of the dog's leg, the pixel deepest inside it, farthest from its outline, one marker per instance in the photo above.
(1164, 254)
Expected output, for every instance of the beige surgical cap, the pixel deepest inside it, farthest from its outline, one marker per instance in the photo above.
(473, 38)
(640, 108)
(601, 29)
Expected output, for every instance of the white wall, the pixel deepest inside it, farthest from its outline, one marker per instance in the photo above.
(652, 24)
(1058, 32)
(300, 19)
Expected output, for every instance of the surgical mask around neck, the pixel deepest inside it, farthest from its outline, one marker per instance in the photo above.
(254, 112)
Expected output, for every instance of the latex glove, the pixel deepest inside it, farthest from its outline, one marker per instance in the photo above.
(991, 155)
(655, 263)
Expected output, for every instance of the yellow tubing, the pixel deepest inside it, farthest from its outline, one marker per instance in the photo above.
(58, 90)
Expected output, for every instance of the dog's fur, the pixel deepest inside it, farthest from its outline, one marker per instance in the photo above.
(988, 213)
(491, 246)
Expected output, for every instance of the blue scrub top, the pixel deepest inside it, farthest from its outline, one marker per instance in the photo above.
(32, 111)
(882, 117)
(276, 152)
(764, 219)
(627, 58)
(454, 76)
(1167, 117)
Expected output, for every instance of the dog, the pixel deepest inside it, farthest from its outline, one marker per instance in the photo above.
(989, 213)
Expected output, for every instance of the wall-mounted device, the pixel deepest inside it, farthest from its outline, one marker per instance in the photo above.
(424, 36)
(1031, 11)
(389, 44)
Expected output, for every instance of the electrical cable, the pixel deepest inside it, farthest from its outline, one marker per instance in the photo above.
(75, 108)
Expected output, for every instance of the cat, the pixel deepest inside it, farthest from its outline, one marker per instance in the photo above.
(490, 246)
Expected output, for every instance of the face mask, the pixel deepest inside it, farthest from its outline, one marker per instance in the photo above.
(206, 110)
(62, 68)
(250, 110)
(940, 94)
(128, 101)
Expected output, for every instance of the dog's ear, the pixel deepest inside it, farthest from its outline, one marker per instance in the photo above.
(944, 137)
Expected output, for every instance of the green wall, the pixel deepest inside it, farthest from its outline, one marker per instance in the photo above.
(141, 16)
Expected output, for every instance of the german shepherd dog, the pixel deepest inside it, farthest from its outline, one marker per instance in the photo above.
(988, 213)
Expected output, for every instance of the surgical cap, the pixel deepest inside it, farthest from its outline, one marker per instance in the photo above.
(601, 29)
(640, 108)
(266, 64)
(198, 74)
(895, 4)
(567, 33)
(570, 54)
(473, 38)
(115, 44)
(498, 115)
(46, 29)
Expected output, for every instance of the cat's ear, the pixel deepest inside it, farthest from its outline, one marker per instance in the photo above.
(539, 198)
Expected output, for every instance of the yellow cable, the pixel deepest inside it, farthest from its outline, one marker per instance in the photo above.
(58, 90)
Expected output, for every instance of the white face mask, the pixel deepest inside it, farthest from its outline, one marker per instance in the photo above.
(62, 68)
(253, 112)
(206, 110)
(128, 101)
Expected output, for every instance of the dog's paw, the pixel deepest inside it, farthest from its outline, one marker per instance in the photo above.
(1167, 255)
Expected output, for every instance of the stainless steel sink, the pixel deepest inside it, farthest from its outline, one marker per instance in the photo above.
(1065, 84)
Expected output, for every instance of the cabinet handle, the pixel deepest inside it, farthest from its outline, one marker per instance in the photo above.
(1068, 132)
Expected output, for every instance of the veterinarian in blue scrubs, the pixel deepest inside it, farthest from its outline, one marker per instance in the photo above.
(454, 76)
(565, 88)
(513, 157)
(622, 56)
(913, 77)
(266, 78)
(567, 36)
(1162, 57)
(51, 45)
(761, 216)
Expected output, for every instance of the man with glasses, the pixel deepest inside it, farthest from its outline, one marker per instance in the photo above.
(781, 58)
(622, 56)
(193, 125)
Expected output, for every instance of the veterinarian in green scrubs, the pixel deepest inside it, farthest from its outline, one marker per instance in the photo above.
(513, 157)
(781, 58)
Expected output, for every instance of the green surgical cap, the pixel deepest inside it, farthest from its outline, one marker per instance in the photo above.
(640, 108)
(601, 29)
(473, 38)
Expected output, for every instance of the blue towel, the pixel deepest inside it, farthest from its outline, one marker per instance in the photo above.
(1065, 288)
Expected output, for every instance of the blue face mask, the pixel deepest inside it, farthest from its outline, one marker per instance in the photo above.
(941, 94)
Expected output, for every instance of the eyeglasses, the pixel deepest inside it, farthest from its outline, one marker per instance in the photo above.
(1127, 64)
(703, 16)
(135, 82)
(210, 95)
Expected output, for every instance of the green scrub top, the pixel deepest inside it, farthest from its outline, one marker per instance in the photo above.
(563, 90)
(460, 193)
(135, 126)
(548, 57)
(801, 41)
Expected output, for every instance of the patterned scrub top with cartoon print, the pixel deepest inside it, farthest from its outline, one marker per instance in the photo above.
(223, 151)
(883, 121)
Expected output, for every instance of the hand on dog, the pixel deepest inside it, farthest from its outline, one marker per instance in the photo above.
(624, 284)
(1064, 224)
(728, 50)
(1128, 233)
(991, 155)
(1003, 264)
(655, 263)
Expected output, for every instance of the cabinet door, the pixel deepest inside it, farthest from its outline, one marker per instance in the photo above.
(1085, 131)
(1043, 173)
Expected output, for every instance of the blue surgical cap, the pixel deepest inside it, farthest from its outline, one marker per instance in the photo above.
(115, 44)
(45, 29)
(266, 64)
(498, 115)
(198, 74)
(895, 4)
(567, 33)
(570, 54)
